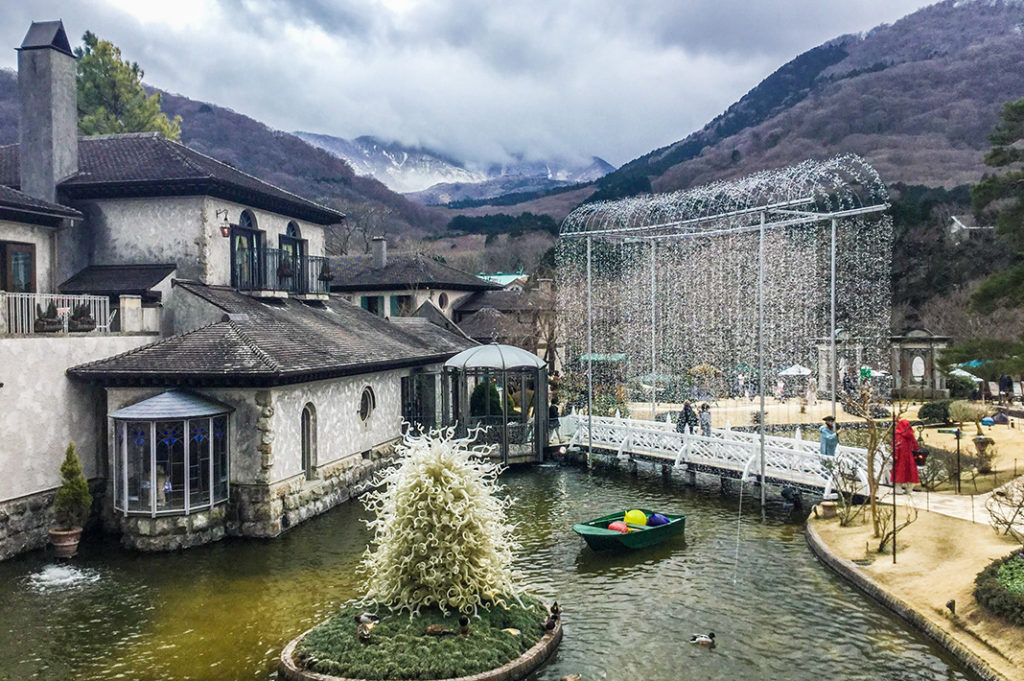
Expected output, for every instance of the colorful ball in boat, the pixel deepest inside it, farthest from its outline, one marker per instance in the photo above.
(636, 517)
(618, 526)
(657, 519)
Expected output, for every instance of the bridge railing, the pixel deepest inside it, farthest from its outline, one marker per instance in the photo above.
(790, 459)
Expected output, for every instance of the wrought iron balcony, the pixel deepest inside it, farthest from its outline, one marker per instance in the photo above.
(278, 271)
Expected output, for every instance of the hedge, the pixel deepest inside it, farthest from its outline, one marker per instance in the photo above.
(999, 588)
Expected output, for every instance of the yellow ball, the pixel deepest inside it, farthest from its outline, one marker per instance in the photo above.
(636, 517)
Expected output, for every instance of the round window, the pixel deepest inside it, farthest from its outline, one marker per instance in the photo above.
(367, 403)
(442, 300)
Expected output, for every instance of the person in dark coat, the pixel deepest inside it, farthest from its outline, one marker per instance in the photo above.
(553, 421)
(904, 468)
(687, 419)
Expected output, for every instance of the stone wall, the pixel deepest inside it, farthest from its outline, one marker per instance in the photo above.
(24, 522)
(266, 511)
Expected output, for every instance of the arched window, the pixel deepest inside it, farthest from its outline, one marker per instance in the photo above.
(247, 220)
(308, 428)
(293, 231)
(367, 403)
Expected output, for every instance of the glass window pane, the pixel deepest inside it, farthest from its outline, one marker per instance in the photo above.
(199, 463)
(138, 463)
(220, 458)
(170, 466)
(21, 271)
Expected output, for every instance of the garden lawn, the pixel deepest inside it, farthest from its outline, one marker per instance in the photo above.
(399, 648)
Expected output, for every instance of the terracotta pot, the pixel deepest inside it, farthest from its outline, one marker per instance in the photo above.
(65, 542)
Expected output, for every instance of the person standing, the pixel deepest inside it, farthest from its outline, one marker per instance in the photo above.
(829, 437)
(553, 422)
(705, 420)
(687, 419)
(904, 468)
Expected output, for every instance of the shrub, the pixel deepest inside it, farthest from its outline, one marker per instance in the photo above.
(72, 502)
(962, 411)
(960, 387)
(440, 530)
(999, 588)
(936, 411)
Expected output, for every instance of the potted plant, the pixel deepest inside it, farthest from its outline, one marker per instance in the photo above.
(70, 505)
(284, 270)
(81, 319)
(325, 273)
(962, 411)
(47, 321)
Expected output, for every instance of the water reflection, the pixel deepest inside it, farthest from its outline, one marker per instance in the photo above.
(224, 611)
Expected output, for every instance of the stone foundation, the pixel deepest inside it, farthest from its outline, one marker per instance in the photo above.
(25, 522)
(255, 510)
(168, 533)
(259, 511)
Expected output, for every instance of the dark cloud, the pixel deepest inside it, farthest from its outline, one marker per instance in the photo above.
(477, 80)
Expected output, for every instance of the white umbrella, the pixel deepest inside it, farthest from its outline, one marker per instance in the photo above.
(795, 370)
(965, 374)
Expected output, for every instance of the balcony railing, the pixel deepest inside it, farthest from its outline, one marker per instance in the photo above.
(271, 269)
(31, 313)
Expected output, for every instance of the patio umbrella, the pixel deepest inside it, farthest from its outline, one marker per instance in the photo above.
(795, 370)
(965, 374)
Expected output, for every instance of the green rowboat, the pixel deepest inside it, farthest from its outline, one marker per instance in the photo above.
(600, 538)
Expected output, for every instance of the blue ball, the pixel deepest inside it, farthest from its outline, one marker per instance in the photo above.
(656, 519)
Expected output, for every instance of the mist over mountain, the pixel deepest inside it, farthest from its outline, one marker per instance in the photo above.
(431, 178)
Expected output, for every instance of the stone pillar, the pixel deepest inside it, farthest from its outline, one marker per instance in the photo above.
(131, 313)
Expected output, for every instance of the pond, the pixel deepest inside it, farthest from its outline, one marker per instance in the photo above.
(224, 611)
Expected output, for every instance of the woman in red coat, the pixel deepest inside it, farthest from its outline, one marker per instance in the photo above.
(904, 469)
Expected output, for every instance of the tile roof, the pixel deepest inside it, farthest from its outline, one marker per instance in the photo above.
(148, 164)
(31, 209)
(402, 271)
(112, 280)
(261, 343)
(505, 301)
(488, 325)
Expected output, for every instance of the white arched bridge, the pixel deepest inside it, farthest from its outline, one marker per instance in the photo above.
(788, 460)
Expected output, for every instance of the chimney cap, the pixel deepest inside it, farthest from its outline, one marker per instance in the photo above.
(47, 34)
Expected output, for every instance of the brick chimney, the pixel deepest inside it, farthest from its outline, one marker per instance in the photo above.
(48, 152)
(380, 252)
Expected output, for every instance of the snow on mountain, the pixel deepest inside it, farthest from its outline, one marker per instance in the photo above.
(403, 169)
(430, 177)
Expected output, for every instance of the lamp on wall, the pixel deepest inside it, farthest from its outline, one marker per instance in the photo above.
(225, 228)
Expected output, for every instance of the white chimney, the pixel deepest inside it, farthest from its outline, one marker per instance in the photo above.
(380, 252)
(48, 152)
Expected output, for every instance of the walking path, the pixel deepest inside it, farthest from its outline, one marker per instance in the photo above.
(964, 506)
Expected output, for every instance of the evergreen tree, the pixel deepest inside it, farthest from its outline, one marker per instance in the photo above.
(1003, 195)
(111, 98)
(72, 502)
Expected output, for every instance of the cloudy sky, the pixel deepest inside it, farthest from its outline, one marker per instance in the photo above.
(475, 79)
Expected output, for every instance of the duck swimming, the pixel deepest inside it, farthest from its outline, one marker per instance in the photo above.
(707, 640)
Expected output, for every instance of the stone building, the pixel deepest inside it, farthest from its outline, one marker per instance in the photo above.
(145, 283)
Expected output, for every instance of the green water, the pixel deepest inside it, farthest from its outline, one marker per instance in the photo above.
(224, 611)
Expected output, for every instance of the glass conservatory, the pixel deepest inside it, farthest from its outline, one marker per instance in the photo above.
(170, 455)
(501, 390)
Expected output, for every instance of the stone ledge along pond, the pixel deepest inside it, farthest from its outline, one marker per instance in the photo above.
(225, 611)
